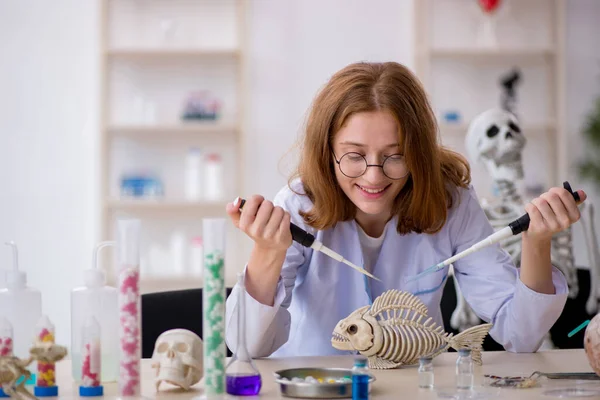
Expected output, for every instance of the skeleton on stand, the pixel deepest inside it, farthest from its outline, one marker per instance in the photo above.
(494, 138)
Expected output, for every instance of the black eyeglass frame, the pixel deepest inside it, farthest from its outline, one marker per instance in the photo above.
(368, 165)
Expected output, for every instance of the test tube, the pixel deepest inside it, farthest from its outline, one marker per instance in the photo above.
(46, 371)
(213, 304)
(92, 359)
(6, 343)
(6, 338)
(128, 236)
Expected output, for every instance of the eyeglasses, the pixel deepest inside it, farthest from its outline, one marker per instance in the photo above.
(354, 165)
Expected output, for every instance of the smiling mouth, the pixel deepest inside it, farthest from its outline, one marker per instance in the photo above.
(373, 191)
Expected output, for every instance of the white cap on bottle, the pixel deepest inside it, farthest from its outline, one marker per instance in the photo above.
(15, 279)
(95, 277)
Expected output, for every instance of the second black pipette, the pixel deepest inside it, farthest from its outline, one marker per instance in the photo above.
(308, 240)
(519, 225)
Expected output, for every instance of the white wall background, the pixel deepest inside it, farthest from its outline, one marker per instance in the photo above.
(49, 111)
(48, 145)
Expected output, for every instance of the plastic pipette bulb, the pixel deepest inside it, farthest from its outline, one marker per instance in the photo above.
(92, 359)
(307, 240)
(6, 338)
(46, 380)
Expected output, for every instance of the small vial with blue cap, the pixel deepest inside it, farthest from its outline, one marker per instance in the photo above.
(92, 357)
(360, 379)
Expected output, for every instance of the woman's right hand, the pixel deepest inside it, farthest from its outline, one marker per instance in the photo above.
(266, 224)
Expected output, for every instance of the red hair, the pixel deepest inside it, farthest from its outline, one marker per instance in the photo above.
(422, 204)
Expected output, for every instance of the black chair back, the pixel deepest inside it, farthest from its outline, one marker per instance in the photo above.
(178, 309)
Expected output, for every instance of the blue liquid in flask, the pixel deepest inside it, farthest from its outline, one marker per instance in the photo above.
(360, 387)
(243, 384)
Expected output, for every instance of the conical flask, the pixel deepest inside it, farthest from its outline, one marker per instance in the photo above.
(242, 376)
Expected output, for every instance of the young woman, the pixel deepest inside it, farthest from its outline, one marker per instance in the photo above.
(374, 184)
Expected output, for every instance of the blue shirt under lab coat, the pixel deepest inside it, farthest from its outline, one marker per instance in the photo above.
(315, 292)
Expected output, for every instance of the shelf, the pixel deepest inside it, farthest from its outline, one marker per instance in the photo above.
(165, 205)
(183, 128)
(170, 52)
(526, 129)
(484, 53)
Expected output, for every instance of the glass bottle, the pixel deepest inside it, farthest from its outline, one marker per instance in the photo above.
(464, 369)
(241, 375)
(426, 373)
(360, 379)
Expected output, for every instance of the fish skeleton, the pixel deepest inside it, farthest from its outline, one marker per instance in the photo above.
(391, 333)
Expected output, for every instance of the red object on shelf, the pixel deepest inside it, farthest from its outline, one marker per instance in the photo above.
(489, 6)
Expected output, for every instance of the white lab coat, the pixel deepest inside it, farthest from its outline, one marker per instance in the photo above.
(315, 292)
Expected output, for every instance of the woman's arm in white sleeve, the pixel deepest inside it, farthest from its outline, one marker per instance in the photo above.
(491, 284)
(268, 326)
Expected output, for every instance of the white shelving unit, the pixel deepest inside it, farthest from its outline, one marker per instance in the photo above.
(154, 54)
(463, 76)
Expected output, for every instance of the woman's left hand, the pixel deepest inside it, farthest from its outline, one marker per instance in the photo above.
(552, 212)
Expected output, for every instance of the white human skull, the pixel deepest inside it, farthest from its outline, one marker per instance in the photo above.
(178, 358)
(495, 139)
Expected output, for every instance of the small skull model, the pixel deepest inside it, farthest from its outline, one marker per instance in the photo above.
(177, 358)
(494, 138)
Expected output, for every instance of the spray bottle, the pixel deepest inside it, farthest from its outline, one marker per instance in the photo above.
(96, 299)
(21, 305)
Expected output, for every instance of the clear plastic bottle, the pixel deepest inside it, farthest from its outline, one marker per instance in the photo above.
(193, 175)
(213, 177)
(425, 373)
(464, 369)
(21, 305)
(360, 379)
(100, 301)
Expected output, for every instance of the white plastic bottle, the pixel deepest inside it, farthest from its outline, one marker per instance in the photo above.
(193, 175)
(97, 300)
(196, 257)
(21, 305)
(213, 177)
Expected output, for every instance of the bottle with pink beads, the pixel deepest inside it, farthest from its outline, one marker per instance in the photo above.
(46, 371)
(96, 299)
(128, 264)
(91, 372)
(6, 343)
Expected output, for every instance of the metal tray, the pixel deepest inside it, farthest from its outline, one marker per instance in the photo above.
(316, 390)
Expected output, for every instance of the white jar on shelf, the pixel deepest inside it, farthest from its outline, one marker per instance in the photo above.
(213, 177)
(196, 266)
(193, 175)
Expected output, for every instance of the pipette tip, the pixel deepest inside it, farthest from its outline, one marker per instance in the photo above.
(428, 271)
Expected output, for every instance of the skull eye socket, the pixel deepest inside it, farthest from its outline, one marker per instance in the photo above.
(514, 127)
(162, 347)
(182, 347)
(352, 329)
(492, 131)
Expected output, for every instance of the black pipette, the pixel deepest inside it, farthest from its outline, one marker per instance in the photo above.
(308, 240)
(519, 225)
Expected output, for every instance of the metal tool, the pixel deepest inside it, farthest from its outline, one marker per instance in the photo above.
(308, 240)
